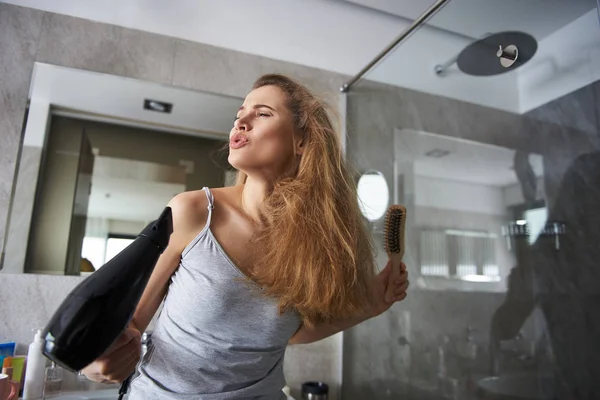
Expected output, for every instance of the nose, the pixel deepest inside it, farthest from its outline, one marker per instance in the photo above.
(241, 124)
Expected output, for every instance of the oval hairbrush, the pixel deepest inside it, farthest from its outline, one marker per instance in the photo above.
(395, 223)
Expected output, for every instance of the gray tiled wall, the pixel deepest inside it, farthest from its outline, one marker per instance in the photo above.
(578, 110)
(20, 30)
(94, 46)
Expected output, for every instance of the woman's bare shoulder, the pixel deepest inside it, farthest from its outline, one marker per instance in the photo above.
(192, 198)
(189, 210)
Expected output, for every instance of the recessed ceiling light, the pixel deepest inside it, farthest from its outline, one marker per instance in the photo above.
(437, 153)
(158, 106)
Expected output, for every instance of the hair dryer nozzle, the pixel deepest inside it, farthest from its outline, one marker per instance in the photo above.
(159, 231)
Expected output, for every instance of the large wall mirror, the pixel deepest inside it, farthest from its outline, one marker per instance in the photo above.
(101, 157)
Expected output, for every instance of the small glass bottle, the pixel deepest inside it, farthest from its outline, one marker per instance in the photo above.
(52, 381)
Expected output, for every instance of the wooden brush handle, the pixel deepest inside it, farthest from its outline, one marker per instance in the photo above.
(396, 260)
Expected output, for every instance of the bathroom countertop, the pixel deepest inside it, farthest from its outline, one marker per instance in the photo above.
(104, 394)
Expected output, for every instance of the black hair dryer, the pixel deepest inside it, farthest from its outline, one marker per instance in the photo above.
(99, 309)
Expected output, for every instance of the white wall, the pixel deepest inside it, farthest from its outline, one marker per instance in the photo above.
(458, 196)
(125, 227)
(567, 60)
(125, 196)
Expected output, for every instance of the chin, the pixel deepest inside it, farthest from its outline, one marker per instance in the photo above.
(248, 163)
(235, 160)
(241, 162)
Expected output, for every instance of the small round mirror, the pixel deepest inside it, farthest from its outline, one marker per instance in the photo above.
(373, 195)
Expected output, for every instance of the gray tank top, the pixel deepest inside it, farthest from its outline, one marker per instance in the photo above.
(217, 336)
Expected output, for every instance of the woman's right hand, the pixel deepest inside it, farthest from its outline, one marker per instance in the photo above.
(119, 361)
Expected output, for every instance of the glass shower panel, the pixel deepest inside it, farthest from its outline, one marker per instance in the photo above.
(485, 124)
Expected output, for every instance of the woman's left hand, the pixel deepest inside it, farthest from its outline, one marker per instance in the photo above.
(382, 281)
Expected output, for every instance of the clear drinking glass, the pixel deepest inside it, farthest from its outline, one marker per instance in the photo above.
(52, 381)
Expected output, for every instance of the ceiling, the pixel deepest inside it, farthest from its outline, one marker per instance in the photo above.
(344, 35)
(474, 18)
(566, 58)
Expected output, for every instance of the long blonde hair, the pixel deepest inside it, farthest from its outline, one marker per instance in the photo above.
(315, 254)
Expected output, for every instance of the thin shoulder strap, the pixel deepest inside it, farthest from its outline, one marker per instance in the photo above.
(211, 205)
(202, 233)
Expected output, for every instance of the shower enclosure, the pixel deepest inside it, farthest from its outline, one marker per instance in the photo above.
(484, 121)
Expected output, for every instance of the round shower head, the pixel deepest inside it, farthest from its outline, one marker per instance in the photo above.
(496, 54)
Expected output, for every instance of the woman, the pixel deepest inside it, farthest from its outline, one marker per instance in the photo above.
(281, 258)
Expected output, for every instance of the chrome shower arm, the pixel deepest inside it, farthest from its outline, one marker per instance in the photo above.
(407, 32)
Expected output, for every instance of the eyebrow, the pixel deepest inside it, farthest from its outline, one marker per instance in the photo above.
(259, 106)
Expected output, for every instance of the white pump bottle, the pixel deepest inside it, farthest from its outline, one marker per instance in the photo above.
(36, 367)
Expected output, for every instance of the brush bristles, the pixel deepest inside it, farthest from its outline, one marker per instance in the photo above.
(394, 229)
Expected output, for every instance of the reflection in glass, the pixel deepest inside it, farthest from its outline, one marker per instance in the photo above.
(536, 221)
(115, 245)
(501, 190)
(373, 195)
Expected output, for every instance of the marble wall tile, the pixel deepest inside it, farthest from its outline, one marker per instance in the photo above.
(409, 109)
(94, 46)
(203, 67)
(570, 126)
(319, 361)
(578, 110)
(20, 29)
(373, 361)
(561, 147)
(29, 301)
(596, 97)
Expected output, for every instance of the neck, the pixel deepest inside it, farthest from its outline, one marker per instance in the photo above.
(254, 192)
